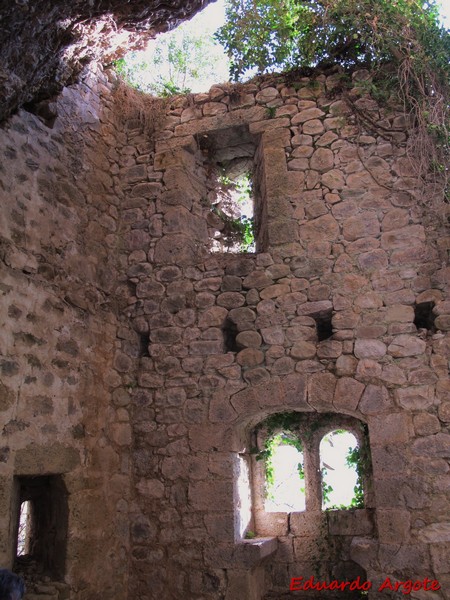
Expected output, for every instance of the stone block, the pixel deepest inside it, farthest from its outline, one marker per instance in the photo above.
(390, 429)
(302, 350)
(435, 446)
(273, 335)
(435, 533)
(55, 458)
(347, 393)
(282, 231)
(231, 300)
(440, 557)
(274, 291)
(370, 348)
(266, 125)
(258, 280)
(180, 220)
(249, 339)
(250, 357)
(177, 249)
(321, 387)
(375, 400)
(406, 345)
(271, 523)
(308, 524)
(307, 114)
(406, 237)
(444, 412)
(329, 349)
(419, 397)
(220, 409)
(333, 179)
(206, 348)
(257, 376)
(313, 127)
(363, 225)
(350, 522)
(213, 317)
(363, 550)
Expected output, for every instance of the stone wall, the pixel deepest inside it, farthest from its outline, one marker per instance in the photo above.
(343, 233)
(59, 262)
(117, 368)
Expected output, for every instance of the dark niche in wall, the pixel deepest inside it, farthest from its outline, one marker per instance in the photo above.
(42, 522)
(144, 341)
(230, 332)
(324, 325)
(229, 158)
(423, 316)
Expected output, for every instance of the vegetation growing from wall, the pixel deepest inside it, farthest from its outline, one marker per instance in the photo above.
(404, 34)
(295, 429)
(234, 207)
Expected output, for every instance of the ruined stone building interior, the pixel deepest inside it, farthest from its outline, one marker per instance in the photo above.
(144, 368)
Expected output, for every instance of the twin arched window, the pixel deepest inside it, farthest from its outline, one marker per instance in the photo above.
(311, 462)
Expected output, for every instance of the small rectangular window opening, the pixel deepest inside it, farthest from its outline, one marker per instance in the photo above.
(324, 325)
(229, 161)
(230, 332)
(42, 522)
(144, 341)
(424, 317)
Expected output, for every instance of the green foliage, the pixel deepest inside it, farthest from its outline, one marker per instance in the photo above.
(282, 429)
(354, 460)
(272, 35)
(235, 197)
(269, 34)
(174, 63)
(358, 458)
(326, 489)
(270, 445)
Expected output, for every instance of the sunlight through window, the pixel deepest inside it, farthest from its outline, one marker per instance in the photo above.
(285, 478)
(340, 483)
(24, 533)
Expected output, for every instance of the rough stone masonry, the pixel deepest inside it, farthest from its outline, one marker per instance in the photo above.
(120, 391)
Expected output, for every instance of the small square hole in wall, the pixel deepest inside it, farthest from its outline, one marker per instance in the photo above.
(229, 160)
(324, 325)
(423, 316)
(144, 341)
(42, 522)
(230, 331)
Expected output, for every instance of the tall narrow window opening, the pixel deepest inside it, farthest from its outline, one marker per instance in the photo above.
(339, 461)
(42, 521)
(24, 534)
(285, 475)
(228, 157)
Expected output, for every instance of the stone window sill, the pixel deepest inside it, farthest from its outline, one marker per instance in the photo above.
(251, 552)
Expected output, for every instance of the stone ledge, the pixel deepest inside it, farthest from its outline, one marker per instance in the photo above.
(251, 552)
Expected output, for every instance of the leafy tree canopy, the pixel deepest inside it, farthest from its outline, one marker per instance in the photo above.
(175, 63)
(283, 35)
(286, 34)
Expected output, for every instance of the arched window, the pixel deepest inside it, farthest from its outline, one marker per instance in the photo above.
(310, 462)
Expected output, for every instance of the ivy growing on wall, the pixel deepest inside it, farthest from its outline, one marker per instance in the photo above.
(290, 428)
(404, 35)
